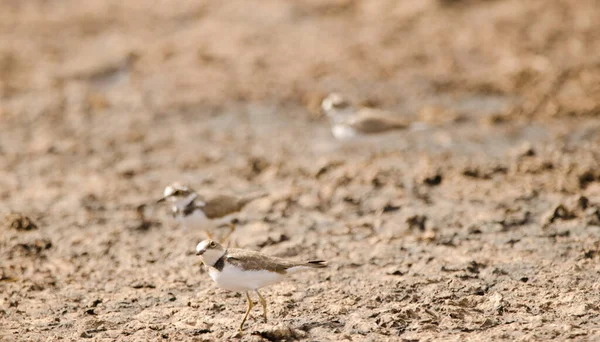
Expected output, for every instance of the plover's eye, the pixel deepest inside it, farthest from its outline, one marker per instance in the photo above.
(213, 244)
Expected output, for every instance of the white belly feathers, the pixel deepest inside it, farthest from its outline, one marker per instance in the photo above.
(234, 279)
(343, 132)
(198, 220)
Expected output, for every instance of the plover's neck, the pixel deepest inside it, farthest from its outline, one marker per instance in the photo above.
(220, 263)
(343, 132)
(338, 116)
(181, 203)
(214, 258)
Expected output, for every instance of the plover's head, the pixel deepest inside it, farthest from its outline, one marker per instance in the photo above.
(210, 251)
(178, 194)
(335, 103)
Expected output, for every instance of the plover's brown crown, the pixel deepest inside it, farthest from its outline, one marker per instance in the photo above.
(177, 189)
(335, 101)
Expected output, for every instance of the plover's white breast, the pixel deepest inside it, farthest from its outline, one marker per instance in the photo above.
(198, 220)
(233, 278)
(343, 132)
(195, 220)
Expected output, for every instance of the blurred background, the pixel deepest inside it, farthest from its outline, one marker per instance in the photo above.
(484, 225)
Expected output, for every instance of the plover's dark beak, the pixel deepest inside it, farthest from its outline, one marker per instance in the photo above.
(200, 252)
(161, 200)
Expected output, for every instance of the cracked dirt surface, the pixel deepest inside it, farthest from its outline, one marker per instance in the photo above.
(484, 226)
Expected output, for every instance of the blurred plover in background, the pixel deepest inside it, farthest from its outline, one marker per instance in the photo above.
(348, 122)
(195, 212)
(243, 270)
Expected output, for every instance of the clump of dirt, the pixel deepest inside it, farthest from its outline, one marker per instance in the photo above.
(19, 222)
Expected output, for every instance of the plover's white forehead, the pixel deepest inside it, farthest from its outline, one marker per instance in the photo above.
(168, 191)
(202, 246)
(333, 100)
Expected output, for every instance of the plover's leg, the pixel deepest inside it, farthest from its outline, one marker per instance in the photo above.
(226, 239)
(208, 234)
(264, 304)
(231, 230)
(250, 305)
(232, 244)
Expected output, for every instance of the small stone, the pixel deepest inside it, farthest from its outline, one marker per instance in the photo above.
(495, 119)
(19, 222)
(35, 247)
(495, 304)
(526, 150)
(128, 168)
(95, 303)
(587, 177)
(488, 323)
(429, 236)
(580, 309)
(432, 180)
(395, 271)
(593, 216)
(309, 201)
(417, 222)
(560, 212)
(142, 285)
(280, 333)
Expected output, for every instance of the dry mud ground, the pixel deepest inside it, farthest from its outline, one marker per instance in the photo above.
(485, 226)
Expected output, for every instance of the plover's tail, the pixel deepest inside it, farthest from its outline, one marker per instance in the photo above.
(307, 265)
(249, 198)
(316, 264)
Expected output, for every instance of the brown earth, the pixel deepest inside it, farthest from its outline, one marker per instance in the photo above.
(484, 226)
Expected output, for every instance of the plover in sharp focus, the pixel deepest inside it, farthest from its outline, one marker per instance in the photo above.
(195, 212)
(243, 270)
(348, 122)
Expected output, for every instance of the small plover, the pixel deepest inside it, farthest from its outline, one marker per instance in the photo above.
(243, 270)
(195, 212)
(348, 122)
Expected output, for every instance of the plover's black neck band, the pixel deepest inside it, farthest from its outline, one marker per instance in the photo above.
(187, 210)
(220, 263)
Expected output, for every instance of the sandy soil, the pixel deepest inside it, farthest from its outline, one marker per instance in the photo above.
(485, 226)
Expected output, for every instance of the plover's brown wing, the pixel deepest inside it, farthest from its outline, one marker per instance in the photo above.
(223, 205)
(370, 121)
(254, 261)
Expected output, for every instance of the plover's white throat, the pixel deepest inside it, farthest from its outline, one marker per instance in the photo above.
(194, 212)
(348, 122)
(243, 270)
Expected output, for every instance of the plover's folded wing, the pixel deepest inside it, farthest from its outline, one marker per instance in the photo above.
(369, 121)
(254, 261)
(223, 205)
